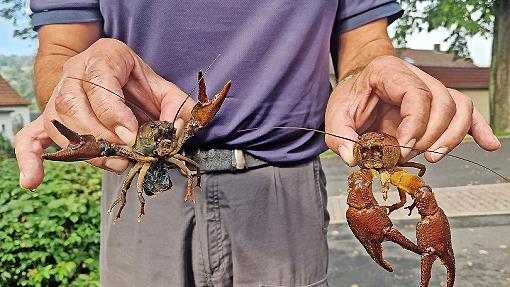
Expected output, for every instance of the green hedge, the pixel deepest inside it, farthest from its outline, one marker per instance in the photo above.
(50, 237)
(6, 149)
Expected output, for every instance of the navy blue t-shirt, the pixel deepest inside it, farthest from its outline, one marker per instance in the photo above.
(275, 52)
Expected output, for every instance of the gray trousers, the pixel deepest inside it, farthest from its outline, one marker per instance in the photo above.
(262, 227)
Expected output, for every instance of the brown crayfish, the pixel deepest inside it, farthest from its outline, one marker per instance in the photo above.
(156, 150)
(379, 153)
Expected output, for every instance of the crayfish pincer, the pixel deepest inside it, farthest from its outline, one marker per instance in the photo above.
(433, 235)
(370, 222)
(378, 153)
(157, 149)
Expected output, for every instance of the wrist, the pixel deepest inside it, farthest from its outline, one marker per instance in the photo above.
(362, 45)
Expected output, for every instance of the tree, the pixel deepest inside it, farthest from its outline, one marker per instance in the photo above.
(464, 19)
(14, 10)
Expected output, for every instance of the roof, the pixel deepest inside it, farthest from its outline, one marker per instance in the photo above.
(460, 78)
(9, 97)
(433, 58)
(454, 73)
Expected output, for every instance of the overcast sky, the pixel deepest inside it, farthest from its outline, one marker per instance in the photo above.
(479, 48)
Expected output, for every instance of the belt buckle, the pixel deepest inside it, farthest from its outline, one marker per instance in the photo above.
(239, 163)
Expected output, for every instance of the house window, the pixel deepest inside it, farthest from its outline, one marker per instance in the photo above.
(3, 129)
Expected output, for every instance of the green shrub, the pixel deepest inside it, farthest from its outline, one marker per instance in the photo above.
(50, 237)
(6, 149)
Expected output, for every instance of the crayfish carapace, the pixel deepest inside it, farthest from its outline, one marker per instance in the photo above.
(157, 149)
(379, 153)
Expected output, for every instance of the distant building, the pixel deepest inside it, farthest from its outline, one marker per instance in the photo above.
(460, 74)
(14, 110)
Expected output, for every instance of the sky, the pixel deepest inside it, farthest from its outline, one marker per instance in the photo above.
(10, 45)
(479, 47)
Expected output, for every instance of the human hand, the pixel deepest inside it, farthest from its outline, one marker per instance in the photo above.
(88, 109)
(392, 96)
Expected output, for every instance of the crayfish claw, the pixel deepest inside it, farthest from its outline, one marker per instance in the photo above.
(206, 109)
(80, 147)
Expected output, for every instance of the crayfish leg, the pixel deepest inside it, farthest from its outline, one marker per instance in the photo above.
(193, 163)
(139, 187)
(125, 186)
(185, 169)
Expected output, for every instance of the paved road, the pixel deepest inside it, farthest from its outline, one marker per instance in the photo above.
(481, 243)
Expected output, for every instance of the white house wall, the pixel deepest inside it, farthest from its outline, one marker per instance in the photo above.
(7, 113)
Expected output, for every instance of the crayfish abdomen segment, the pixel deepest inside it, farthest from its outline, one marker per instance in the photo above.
(158, 179)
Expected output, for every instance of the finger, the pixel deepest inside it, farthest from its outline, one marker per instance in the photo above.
(71, 106)
(107, 99)
(396, 84)
(442, 111)
(117, 165)
(340, 121)
(457, 129)
(113, 164)
(482, 133)
(29, 145)
(172, 100)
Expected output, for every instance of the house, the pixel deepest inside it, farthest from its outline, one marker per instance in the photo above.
(14, 110)
(460, 74)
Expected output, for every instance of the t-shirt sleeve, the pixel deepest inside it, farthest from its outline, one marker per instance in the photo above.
(354, 13)
(64, 11)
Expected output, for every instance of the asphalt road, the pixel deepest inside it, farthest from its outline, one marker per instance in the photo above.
(481, 243)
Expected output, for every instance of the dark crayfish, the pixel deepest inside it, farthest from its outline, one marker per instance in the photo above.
(157, 149)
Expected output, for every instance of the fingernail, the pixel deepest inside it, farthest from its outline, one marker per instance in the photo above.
(496, 140)
(115, 164)
(346, 155)
(438, 154)
(21, 177)
(125, 135)
(406, 151)
(179, 126)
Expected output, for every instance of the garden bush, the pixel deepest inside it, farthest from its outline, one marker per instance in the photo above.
(6, 149)
(50, 237)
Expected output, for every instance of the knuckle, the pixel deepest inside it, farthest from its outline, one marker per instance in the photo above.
(382, 60)
(70, 63)
(450, 108)
(66, 102)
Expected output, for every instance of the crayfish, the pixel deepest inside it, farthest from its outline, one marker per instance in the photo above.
(156, 150)
(379, 153)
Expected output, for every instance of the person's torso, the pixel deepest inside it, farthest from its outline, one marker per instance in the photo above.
(275, 52)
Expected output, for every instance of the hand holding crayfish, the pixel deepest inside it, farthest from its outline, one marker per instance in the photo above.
(394, 97)
(87, 109)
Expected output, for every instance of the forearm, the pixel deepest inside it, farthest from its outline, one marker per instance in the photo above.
(360, 46)
(58, 43)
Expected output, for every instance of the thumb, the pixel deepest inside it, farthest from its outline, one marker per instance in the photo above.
(341, 127)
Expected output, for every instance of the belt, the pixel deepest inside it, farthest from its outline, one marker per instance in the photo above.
(217, 160)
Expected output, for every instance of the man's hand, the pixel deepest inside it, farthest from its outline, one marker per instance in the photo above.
(88, 109)
(394, 97)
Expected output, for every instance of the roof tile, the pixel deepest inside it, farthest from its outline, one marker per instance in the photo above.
(9, 97)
